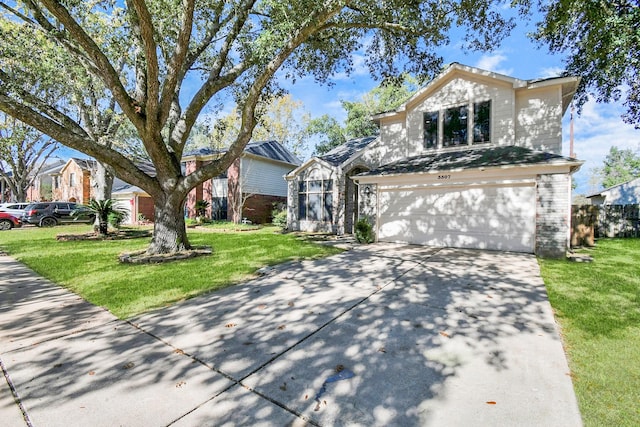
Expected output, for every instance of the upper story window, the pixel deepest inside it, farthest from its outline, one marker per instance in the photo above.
(431, 130)
(315, 200)
(454, 124)
(457, 126)
(481, 122)
(72, 179)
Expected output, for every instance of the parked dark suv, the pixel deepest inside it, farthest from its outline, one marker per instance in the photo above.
(48, 214)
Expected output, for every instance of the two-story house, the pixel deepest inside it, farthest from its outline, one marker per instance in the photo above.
(251, 186)
(472, 160)
(73, 182)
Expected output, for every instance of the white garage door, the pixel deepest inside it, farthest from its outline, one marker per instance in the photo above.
(491, 217)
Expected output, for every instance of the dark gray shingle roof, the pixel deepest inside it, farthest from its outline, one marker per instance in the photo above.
(269, 149)
(470, 159)
(85, 164)
(343, 152)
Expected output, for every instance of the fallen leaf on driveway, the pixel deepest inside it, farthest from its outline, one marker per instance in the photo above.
(92, 372)
(229, 325)
(444, 334)
(281, 327)
(491, 402)
(129, 365)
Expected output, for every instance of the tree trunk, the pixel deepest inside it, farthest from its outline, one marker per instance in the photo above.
(104, 181)
(169, 231)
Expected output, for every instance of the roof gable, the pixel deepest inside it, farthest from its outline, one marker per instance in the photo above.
(568, 84)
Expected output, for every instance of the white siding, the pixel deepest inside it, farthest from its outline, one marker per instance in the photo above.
(392, 144)
(263, 177)
(539, 119)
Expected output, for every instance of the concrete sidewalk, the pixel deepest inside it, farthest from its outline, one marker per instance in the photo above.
(379, 335)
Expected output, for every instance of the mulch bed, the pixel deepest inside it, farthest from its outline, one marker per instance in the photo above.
(115, 235)
(141, 257)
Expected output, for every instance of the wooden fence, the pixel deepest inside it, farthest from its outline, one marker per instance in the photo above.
(592, 221)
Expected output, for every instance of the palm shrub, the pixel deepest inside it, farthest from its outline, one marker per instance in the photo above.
(102, 210)
(201, 209)
(364, 231)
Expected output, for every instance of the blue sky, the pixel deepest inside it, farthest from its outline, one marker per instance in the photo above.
(595, 130)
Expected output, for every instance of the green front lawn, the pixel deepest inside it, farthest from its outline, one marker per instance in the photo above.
(91, 268)
(598, 307)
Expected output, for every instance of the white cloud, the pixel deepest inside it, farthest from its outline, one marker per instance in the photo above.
(596, 130)
(491, 62)
(549, 72)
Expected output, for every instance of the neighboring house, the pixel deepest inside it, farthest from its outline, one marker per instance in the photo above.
(73, 183)
(627, 193)
(135, 201)
(472, 160)
(43, 185)
(249, 188)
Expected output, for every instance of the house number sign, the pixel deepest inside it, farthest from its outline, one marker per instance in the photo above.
(444, 176)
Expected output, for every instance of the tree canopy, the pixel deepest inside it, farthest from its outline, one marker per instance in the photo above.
(385, 97)
(281, 118)
(602, 41)
(620, 165)
(164, 62)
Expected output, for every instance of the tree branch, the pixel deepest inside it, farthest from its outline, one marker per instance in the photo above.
(102, 63)
(80, 140)
(176, 64)
(248, 120)
(147, 32)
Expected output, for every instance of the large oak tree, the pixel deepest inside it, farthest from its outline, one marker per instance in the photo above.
(183, 55)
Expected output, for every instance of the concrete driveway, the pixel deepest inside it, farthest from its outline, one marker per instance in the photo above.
(379, 335)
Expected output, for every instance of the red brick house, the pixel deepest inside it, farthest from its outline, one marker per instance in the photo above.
(73, 182)
(249, 188)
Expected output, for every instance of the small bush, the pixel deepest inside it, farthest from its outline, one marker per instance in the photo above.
(279, 218)
(364, 231)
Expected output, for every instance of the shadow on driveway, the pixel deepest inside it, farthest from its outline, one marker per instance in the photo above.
(380, 335)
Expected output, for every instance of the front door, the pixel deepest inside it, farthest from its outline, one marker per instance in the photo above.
(351, 200)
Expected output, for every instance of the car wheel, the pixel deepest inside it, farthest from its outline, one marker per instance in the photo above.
(5, 224)
(48, 222)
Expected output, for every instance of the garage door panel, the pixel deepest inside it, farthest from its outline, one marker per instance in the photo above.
(487, 217)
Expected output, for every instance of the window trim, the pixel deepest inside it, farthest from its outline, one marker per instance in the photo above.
(471, 125)
(308, 187)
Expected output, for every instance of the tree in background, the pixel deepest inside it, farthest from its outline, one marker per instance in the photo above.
(602, 41)
(385, 97)
(23, 153)
(620, 165)
(281, 119)
(183, 55)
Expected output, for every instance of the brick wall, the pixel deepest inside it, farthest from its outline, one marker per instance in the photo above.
(258, 208)
(145, 207)
(553, 211)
